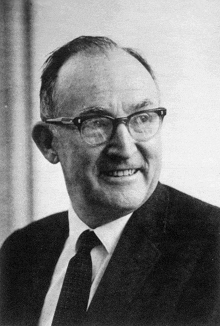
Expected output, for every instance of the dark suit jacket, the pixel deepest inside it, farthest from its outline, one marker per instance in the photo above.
(164, 271)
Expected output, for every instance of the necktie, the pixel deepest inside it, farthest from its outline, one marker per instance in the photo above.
(73, 300)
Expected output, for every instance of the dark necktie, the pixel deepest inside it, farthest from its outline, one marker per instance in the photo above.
(73, 300)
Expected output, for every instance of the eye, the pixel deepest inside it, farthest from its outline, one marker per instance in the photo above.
(96, 130)
(98, 122)
(141, 118)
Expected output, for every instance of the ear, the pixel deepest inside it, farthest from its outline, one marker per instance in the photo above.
(43, 138)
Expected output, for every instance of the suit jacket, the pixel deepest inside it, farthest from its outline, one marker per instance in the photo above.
(164, 270)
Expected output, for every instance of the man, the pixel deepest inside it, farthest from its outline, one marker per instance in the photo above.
(156, 261)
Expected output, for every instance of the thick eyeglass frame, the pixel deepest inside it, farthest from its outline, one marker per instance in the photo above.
(78, 121)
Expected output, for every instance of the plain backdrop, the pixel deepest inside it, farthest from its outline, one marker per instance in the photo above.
(181, 40)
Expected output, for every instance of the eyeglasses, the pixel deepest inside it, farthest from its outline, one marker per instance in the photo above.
(98, 129)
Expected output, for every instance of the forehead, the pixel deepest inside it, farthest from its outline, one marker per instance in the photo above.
(103, 79)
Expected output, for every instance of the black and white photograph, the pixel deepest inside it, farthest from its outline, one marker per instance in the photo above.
(110, 163)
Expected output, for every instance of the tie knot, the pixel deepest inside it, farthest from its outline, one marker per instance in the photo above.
(87, 241)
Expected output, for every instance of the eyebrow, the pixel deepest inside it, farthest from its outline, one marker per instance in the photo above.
(142, 104)
(94, 110)
(102, 110)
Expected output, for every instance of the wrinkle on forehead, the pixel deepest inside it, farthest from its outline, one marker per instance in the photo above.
(134, 107)
(103, 77)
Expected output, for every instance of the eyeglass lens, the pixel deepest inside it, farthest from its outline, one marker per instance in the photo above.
(141, 127)
(96, 130)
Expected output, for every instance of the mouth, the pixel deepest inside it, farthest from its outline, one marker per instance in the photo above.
(120, 173)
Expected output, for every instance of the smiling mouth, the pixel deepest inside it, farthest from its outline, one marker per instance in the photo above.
(120, 173)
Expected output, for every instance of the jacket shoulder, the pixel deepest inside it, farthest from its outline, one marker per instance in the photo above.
(25, 256)
(35, 235)
(183, 201)
(190, 215)
(187, 199)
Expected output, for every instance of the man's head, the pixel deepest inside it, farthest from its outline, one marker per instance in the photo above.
(93, 77)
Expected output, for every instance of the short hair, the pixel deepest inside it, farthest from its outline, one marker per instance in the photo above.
(58, 57)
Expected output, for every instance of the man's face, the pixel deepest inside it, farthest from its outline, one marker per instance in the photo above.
(112, 179)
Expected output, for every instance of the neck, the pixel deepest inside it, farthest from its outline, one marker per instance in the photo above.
(97, 217)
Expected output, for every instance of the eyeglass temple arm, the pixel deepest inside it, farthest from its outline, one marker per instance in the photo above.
(66, 121)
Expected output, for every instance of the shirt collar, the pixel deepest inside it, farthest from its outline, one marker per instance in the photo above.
(108, 233)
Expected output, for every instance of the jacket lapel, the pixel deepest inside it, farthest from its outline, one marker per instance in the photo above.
(134, 258)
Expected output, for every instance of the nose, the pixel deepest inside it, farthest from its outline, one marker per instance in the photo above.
(121, 143)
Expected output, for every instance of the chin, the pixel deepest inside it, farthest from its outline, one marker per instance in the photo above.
(123, 205)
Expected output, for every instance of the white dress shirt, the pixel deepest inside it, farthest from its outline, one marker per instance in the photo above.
(108, 234)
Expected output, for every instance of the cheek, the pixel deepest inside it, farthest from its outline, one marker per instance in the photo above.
(78, 161)
(68, 153)
(152, 151)
(153, 158)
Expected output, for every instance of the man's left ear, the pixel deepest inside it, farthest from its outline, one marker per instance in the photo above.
(43, 137)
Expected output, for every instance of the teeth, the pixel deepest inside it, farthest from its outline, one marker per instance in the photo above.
(121, 173)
